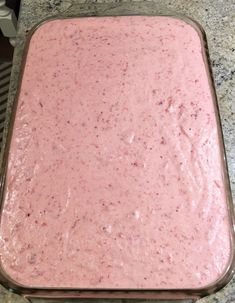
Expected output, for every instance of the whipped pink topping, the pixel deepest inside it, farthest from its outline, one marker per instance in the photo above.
(114, 177)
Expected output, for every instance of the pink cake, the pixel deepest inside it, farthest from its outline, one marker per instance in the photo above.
(114, 177)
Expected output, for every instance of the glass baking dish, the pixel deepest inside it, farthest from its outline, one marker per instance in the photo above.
(161, 293)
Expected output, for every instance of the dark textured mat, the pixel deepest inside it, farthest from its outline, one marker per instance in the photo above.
(5, 72)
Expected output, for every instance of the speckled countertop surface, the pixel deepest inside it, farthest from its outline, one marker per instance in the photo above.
(218, 19)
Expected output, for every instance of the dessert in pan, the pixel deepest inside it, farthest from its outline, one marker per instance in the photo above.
(115, 176)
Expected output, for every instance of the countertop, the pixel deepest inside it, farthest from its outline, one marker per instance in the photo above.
(218, 20)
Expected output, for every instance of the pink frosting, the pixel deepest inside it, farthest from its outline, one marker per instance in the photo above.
(114, 177)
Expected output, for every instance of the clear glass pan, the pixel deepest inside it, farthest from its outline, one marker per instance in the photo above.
(172, 294)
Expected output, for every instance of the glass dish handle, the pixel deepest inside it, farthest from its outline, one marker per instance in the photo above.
(79, 300)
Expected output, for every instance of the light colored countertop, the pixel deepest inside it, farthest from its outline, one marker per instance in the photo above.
(218, 20)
